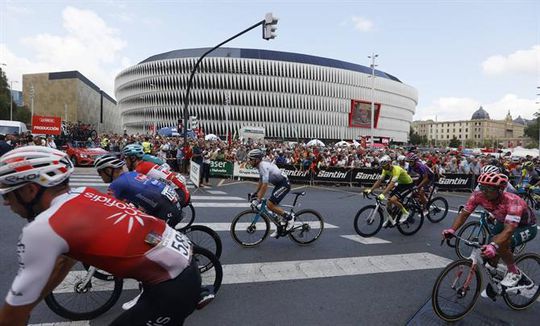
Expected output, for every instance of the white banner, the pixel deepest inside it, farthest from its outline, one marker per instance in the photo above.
(245, 171)
(194, 173)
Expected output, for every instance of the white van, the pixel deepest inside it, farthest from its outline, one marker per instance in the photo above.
(12, 127)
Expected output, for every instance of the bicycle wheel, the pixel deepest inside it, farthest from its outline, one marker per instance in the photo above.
(74, 302)
(472, 232)
(412, 224)
(188, 216)
(456, 290)
(529, 264)
(249, 228)
(368, 221)
(308, 227)
(209, 267)
(204, 237)
(100, 274)
(437, 209)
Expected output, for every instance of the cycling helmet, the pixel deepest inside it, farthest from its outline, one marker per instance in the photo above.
(39, 164)
(401, 158)
(489, 169)
(412, 157)
(255, 154)
(528, 165)
(108, 161)
(133, 150)
(385, 160)
(493, 179)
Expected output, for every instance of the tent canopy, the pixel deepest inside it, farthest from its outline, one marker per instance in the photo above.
(315, 142)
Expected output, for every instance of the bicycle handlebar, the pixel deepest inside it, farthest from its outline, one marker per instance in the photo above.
(474, 244)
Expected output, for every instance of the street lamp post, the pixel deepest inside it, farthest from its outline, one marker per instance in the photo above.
(373, 65)
(227, 108)
(268, 25)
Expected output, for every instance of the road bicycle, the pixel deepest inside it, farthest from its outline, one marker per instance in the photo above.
(252, 226)
(188, 217)
(480, 231)
(437, 207)
(88, 292)
(369, 219)
(457, 288)
(528, 196)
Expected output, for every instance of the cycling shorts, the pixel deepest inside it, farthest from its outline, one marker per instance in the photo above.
(401, 190)
(168, 211)
(166, 303)
(280, 191)
(521, 234)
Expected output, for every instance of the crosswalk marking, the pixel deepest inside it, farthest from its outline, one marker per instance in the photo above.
(216, 192)
(65, 323)
(221, 204)
(217, 198)
(227, 226)
(370, 240)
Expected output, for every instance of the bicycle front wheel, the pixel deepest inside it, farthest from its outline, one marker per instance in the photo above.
(209, 267)
(205, 237)
(456, 290)
(308, 227)
(250, 228)
(437, 209)
(471, 231)
(188, 216)
(368, 221)
(412, 224)
(529, 264)
(73, 300)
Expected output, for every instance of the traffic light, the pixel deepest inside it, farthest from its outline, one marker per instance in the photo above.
(269, 26)
(193, 122)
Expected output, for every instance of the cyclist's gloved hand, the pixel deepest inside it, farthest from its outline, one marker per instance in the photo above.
(367, 191)
(448, 233)
(255, 202)
(489, 250)
(381, 197)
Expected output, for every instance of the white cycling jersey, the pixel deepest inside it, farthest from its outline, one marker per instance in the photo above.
(270, 173)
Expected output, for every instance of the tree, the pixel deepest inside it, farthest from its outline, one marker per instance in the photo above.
(531, 130)
(414, 138)
(5, 96)
(454, 142)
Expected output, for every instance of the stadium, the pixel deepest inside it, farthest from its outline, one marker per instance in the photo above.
(292, 96)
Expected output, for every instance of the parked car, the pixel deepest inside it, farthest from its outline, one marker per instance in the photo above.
(83, 153)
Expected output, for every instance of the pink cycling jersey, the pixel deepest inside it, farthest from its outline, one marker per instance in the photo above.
(508, 208)
(99, 230)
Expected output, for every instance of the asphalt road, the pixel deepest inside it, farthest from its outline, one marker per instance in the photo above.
(383, 283)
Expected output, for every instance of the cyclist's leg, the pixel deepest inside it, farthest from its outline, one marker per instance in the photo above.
(280, 191)
(169, 302)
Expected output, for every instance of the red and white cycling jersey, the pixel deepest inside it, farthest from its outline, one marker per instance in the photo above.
(99, 230)
(509, 208)
(173, 179)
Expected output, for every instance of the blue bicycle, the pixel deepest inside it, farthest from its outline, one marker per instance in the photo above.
(251, 227)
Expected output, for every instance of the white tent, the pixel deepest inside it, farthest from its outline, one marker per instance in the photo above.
(521, 152)
(211, 137)
(342, 143)
(315, 142)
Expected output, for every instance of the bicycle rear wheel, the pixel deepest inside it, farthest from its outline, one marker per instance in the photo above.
(412, 224)
(308, 227)
(204, 237)
(249, 228)
(188, 216)
(368, 221)
(456, 290)
(437, 209)
(529, 264)
(471, 231)
(71, 301)
(209, 267)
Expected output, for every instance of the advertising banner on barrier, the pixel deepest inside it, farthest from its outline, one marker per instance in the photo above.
(194, 173)
(294, 173)
(333, 174)
(244, 170)
(366, 176)
(221, 169)
(455, 181)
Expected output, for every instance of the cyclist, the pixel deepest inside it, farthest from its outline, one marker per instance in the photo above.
(402, 161)
(68, 225)
(270, 173)
(134, 158)
(515, 222)
(426, 177)
(400, 183)
(495, 169)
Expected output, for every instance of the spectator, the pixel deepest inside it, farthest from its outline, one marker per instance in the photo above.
(4, 146)
(50, 142)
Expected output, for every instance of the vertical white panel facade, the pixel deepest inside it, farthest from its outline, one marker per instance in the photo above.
(290, 95)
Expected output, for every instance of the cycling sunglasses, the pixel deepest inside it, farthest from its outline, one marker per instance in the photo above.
(484, 188)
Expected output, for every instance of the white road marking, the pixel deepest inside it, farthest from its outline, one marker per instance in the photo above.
(65, 323)
(370, 240)
(221, 204)
(217, 198)
(227, 226)
(216, 192)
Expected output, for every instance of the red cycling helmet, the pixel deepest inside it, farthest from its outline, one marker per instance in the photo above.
(493, 179)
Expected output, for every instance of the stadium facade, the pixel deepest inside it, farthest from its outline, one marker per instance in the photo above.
(291, 95)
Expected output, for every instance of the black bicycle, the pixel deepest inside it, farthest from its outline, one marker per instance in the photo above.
(437, 207)
(528, 196)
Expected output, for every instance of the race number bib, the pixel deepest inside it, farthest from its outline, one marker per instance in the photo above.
(170, 194)
(173, 252)
(177, 242)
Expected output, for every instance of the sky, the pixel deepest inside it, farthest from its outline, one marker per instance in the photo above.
(459, 55)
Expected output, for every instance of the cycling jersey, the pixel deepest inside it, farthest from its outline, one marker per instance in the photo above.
(508, 208)
(270, 173)
(421, 169)
(152, 159)
(398, 174)
(102, 231)
(153, 196)
(162, 174)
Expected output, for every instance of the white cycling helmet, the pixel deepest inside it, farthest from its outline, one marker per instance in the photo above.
(489, 169)
(39, 164)
(385, 160)
(401, 158)
(108, 161)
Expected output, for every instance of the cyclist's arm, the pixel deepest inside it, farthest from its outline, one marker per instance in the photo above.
(506, 234)
(261, 190)
(424, 181)
(390, 186)
(460, 219)
(377, 183)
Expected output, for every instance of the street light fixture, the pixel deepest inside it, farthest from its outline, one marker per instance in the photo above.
(272, 23)
(373, 65)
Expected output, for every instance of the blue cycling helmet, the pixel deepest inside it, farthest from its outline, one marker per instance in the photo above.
(133, 150)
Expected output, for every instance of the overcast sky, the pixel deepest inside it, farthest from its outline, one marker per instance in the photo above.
(457, 54)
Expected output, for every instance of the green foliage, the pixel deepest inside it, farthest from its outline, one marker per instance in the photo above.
(416, 139)
(531, 130)
(5, 98)
(454, 142)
